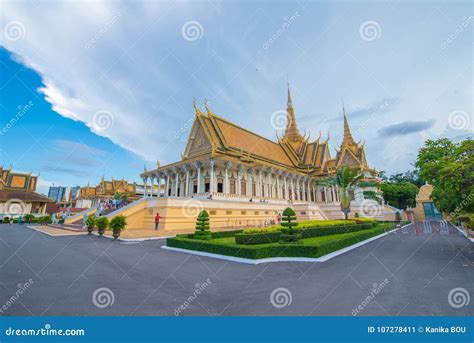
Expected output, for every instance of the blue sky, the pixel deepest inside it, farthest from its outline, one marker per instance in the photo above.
(111, 83)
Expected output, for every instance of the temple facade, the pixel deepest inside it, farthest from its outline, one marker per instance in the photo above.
(245, 180)
(222, 160)
(18, 194)
(91, 196)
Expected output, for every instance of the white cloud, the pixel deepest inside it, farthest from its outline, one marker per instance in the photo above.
(131, 61)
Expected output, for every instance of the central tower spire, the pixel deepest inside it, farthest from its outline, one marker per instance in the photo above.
(291, 131)
(347, 140)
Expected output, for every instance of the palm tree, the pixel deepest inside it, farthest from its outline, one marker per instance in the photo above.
(346, 178)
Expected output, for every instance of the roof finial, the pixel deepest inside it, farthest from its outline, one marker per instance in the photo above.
(347, 132)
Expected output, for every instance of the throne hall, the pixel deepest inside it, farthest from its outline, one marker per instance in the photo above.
(245, 179)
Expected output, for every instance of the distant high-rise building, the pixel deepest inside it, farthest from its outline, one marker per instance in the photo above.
(63, 195)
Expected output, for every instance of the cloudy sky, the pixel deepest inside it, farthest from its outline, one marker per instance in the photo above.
(101, 88)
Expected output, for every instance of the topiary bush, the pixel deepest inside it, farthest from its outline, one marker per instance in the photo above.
(289, 233)
(202, 226)
(6, 220)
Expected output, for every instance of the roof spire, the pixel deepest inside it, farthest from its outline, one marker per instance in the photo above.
(291, 131)
(347, 132)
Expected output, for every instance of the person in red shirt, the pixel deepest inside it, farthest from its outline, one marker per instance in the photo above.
(157, 221)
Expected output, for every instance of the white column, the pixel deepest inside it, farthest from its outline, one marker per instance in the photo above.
(198, 165)
(239, 176)
(211, 176)
(167, 184)
(260, 183)
(305, 196)
(285, 187)
(278, 195)
(186, 186)
(144, 187)
(176, 183)
(227, 166)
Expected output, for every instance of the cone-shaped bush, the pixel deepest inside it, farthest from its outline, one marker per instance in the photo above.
(289, 233)
(202, 226)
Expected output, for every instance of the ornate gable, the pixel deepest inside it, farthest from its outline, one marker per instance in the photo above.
(198, 141)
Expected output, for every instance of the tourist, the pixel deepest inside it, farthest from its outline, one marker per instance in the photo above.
(157, 221)
(279, 218)
(19, 220)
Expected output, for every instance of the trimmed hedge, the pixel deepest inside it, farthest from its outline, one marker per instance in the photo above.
(273, 237)
(273, 249)
(258, 238)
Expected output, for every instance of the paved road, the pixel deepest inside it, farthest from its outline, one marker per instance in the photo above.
(413, 271)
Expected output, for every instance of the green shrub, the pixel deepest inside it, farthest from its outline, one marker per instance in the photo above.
(225, 234)
(258, 238)
(361, 220)
(202, 226)
(289, 233)
(117, 224)
(263, 229)
(41, 220)
(274, 249)
(28, 217)
(90, 222)
(101, 223)
(6, 220)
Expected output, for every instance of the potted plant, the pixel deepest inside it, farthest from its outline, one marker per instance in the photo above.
(90, 223)
(101, 223)
(117, 224)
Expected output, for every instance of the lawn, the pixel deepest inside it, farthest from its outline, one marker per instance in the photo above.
(308, 247)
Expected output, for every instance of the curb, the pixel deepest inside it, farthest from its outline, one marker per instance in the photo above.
(78, 233)
(282, 259)
(133, 239)
(463, 233)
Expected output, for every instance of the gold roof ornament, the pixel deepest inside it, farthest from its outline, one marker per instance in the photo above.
(347, 140)
(292, 133)
(196, 109)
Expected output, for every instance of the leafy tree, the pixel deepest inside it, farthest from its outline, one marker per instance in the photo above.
(400, 195)
(288, 222)
(202, 226)
(346, 178)
(449, 167)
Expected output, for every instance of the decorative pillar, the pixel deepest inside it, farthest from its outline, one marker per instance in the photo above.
(198, 165)
(285, 187)
(278, 195)
(176, 182)
(186, 185)
(167, 183)
(239, 177)
(227, 166)
(212, 163)
(144, 186)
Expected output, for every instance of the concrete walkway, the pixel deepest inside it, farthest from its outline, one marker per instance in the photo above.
(420, 270)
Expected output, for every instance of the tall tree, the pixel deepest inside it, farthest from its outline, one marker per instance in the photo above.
(346, 179)
(449, 167)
